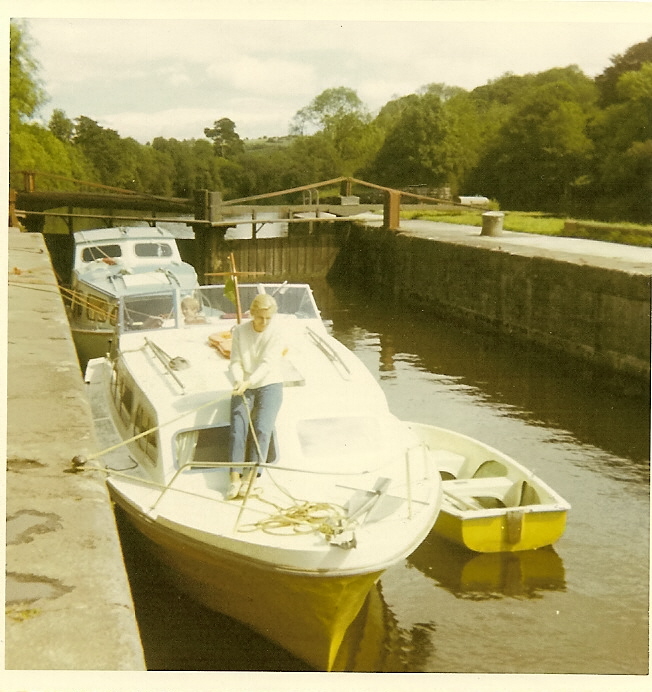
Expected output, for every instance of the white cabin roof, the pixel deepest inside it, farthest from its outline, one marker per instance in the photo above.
(121, 233)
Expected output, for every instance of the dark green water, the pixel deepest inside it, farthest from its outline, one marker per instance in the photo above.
(580, 608)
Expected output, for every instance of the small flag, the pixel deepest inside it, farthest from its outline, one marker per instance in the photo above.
(230, 289)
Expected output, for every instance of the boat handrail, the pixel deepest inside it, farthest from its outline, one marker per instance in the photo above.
(329, 352)
(166, 360)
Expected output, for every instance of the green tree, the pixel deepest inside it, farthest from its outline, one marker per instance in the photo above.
(543, 146)
(338, 115)
(35, 148)
(31, 146)
(390, 113)
(26, 94)
(325, 110)
(414, 150)
(621, 180)
(114, 159)
(226, 140)
(61, 126)
(630, 61)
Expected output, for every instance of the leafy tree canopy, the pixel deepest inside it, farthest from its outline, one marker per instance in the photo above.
(327, 109)
(26, 94)
(630, 61)
(226, 140)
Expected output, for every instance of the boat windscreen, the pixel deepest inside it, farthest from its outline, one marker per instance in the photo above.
(94, 252)
(291, 299)
(147, 311)
(153, 250)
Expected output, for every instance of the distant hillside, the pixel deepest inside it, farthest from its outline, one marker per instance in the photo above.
(268, 142)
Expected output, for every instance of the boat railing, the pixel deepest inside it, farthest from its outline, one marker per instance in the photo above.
(170, 363)
(330, 353)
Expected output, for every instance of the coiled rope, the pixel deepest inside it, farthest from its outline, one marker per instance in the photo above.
(301, 517)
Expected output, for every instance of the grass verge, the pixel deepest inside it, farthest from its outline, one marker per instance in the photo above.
(544, 224)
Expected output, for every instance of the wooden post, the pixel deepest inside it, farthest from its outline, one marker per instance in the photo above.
(201, 205)
(13, 219)
(29, 182)
(214, 206)
(234, 276)
(392, 210)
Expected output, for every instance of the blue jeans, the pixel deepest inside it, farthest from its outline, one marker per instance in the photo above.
(264, 404)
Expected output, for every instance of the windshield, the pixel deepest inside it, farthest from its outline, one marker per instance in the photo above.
(89, 254)
(210, 305)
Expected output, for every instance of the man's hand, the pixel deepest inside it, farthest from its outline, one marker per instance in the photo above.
(240, 387)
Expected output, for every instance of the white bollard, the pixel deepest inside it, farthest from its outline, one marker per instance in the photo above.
(492, 223)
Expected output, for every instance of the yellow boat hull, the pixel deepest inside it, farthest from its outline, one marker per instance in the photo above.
(505, 532)
(307, 615)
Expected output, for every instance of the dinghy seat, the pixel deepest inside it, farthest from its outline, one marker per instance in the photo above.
(493, 492)
(449, 463)
(490, 469)
(522, 494)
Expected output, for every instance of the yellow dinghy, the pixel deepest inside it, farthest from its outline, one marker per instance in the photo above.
(491, 503)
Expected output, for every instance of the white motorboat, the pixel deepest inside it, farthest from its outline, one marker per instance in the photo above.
(112, 262)
(348, 491)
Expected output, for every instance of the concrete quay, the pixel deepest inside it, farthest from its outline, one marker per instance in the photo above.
(67, 600)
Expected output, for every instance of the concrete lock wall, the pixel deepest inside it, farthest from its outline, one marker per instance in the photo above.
(597, 314)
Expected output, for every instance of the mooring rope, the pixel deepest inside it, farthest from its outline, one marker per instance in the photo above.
(122, 443)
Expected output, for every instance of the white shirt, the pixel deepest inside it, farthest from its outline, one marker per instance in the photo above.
(258, 356)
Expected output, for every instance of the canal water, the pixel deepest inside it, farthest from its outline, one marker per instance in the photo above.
(580, 607)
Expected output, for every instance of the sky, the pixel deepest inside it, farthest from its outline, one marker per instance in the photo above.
(173, 73)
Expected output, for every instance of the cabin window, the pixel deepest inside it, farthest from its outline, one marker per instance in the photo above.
(122, 396)
(153, 250)
(89, 254)
(142, 422)
(114, 386)
(126, 401)
(96, 309)
(78, 301)
(203, 445)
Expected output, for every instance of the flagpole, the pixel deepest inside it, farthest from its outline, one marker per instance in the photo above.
(234, 276)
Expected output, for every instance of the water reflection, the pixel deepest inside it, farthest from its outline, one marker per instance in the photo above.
(544, 388)
(476, 576)
(179, 634)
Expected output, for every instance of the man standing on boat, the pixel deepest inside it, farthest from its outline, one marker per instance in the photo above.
(257, 353)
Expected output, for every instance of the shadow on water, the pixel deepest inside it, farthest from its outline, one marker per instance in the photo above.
(179, 634)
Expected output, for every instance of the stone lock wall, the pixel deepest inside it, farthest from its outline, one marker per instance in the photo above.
(600, 315)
